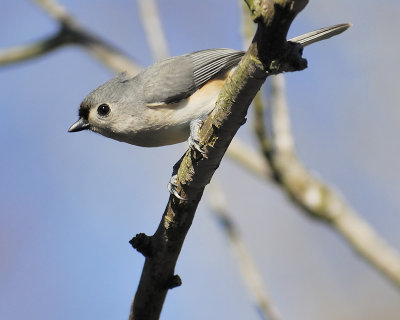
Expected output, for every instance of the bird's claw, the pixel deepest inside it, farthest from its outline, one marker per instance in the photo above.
(195, 145)
(193, 140)
(172, 188)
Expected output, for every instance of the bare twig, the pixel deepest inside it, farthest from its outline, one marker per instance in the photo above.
(315, 197)
(55, 10)
(248, 158)
(151, 21)
(98, 48)
(248, 268)
(268, 54)
(246, 23)
(33, 50)
(70, 32)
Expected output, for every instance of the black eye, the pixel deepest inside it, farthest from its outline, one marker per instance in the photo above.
(103, 110)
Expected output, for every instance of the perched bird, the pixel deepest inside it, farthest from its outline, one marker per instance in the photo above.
(166, 102)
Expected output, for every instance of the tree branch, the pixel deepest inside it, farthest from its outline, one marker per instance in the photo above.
(268, 54)
(239, 152)
(248, 158)
(151, 22)
(250, 273)
(33, 50)
(70, 32)
(76, 34)
(312, 195)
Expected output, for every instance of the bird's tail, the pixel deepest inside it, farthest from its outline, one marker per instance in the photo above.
(320, 34)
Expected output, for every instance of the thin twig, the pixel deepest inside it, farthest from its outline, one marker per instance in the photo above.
(151, 21)
(312, 195)
(108, 55)
(30, 51)
(246, 23)
(55, 10)
(250, 273)
(248, 158)
(70, 32)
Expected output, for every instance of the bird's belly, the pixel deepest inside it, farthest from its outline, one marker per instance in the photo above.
(165, 124)
(169, 124)
(162, 136)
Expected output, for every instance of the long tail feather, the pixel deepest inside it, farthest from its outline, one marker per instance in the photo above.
(320, 34)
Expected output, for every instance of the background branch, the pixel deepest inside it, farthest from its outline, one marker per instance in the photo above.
(249, 159)
(313, 196)
(33, 50)
(70, 32)
(249, 271)
(151, 22)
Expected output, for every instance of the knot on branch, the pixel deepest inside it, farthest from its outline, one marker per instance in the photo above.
(173, 282)
(291, 60)
(143, 244)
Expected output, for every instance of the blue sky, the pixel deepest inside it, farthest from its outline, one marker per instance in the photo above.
(69, 203)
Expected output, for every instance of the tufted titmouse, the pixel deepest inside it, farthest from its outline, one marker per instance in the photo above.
(165, 103)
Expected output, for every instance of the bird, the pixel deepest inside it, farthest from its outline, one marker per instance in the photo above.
(165, 103)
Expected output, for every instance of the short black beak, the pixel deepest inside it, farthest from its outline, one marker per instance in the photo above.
(81, 124)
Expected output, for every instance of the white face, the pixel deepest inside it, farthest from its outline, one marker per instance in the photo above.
(112, 122)
(131, 127)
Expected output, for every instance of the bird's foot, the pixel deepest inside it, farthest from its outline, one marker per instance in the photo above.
(172, 185)
(193, 140)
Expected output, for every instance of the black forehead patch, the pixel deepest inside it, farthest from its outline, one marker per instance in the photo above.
(84, 111)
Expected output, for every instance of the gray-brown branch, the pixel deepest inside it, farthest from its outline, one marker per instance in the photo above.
(269, 53)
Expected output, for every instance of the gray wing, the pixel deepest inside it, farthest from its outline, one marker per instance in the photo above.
(177, 78)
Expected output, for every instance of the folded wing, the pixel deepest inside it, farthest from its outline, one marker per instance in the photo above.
(174, 79)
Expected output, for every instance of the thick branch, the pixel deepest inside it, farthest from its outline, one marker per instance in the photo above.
(268, 54)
